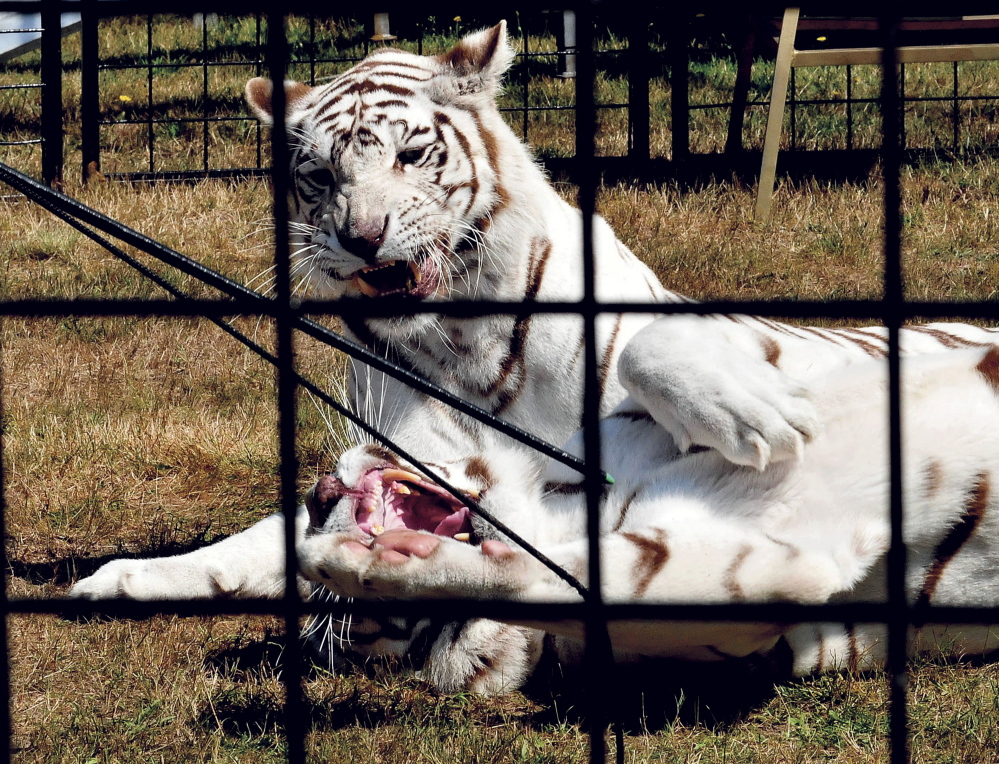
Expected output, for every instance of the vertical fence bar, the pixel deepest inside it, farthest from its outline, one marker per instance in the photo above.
(525, 78)
(849, 106)
(204, 91)
(956, 112)
(900, 104)
(149, 89)
(898, 612)
(638, 87)
(52, 154)
(679, 91)
(5, 710)
(294, 706)
(259, 71)
(793, 109)
(597, 650)
(90, 106)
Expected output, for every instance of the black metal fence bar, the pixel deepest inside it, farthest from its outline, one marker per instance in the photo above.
(894, 296)
(892, 311)
(52, 152)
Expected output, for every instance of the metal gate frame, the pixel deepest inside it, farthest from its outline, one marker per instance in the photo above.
(893, 310)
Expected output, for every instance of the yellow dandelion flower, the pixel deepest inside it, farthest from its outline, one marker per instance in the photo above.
(457, 18)
(823, 38)
(124, 98)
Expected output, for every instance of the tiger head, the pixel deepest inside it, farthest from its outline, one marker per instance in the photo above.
(395, 171)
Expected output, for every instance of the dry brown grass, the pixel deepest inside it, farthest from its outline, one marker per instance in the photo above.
(145, 435)
(149, 435)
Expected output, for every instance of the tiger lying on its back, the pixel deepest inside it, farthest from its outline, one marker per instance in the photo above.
(406, 180)
(700, 529)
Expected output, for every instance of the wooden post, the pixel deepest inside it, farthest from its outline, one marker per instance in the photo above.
(775, 118)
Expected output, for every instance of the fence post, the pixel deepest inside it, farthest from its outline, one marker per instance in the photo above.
(638, 88)
(52, 157)
(90, 113)
(679, 90)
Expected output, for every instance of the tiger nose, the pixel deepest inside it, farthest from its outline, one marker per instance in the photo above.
(364, 238)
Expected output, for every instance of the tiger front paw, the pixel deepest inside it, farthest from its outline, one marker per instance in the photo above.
(406, 564)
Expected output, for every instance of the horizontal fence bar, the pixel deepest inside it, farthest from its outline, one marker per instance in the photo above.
(736, 612)
(872, 310)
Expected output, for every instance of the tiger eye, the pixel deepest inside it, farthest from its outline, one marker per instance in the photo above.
(322, 177)
(411, 156)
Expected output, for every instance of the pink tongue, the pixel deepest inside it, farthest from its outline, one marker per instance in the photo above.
(455, 523)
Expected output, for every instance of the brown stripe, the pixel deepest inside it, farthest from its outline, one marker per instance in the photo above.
(988, 367)
(950, 546)
(946, 339)
(933, 474)
(379, 452)
(771, 350)
(624, 510)
(792, 550)
(541, 249)
(729, 581)
(605, 362)
(875, 351)
(775, 326)
(477, 468)
(564, 489)
(495, 164)
(653, 554)
(441, 119)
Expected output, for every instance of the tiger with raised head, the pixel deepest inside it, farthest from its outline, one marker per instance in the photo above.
(407, 181)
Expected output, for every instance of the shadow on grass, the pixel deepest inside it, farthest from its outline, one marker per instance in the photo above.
(63, 570)
(653, 694)
(648, 696)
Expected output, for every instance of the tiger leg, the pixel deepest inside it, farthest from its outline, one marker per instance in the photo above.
(248, 564)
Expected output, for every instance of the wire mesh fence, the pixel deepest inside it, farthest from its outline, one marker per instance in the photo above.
(588, 125)
(159, 95)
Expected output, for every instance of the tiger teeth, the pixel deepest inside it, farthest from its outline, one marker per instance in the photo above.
(466, 537)
(402, 488)
(366, 289)
(417, 273)
(390, 475)
(377, 530)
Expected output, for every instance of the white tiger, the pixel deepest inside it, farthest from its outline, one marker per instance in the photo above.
(407, 181)
(700, 529)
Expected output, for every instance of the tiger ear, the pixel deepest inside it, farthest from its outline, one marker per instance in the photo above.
(258, 96)
(478, 61)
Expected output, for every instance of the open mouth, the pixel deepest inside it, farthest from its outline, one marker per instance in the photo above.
(391, 498)
(402, 277)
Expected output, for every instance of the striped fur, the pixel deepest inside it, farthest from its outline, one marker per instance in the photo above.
(701, 529)
(407, 181)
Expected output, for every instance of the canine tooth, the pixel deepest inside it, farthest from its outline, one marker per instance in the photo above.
(402, 488)
(417, 273)
(377, 530)
(397, 475)
(366, 289)
(466, 537)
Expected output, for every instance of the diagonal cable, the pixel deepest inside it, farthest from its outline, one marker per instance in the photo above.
(252, 300)
(325, 397)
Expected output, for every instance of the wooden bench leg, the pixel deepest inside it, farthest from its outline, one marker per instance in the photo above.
(775, 117)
